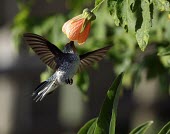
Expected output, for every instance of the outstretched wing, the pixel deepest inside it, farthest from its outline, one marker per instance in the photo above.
(42, 47)
(89, 58)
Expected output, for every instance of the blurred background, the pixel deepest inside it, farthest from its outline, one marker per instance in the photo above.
(145, 93)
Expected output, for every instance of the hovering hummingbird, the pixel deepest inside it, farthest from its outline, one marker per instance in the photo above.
(65, 63)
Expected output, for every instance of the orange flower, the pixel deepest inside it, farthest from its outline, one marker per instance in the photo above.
(78, 28)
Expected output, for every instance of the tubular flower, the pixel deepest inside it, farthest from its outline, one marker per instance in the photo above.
(78, 28)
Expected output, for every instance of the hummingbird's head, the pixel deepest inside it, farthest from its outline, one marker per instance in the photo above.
(69, 47)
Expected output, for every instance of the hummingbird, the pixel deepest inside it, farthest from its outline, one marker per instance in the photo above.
(65, 63)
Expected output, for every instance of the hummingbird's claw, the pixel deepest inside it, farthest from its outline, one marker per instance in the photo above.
(69, 81)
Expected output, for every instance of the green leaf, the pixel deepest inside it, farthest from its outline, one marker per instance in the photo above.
(142, 128)
(127, 18)
(97, 4)
(142, 34)
(122, 13)
(109, 108)
(22, 16)
(82, 80)
(86, 127)
(112, 123)
(114, 9)
(165, 129)
(164, 51)
(136, 7)
(92, 128)
(115, 86)
(162, 5)
(164, 55)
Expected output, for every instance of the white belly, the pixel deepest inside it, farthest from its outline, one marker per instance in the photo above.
(66, 72)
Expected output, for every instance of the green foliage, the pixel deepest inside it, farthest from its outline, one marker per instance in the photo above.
(19, 26)
(142, 128)
(97, 5)
(46, 74)
(142, 34)
(77, 5)
(82, 81)
(92, 128)
(109, 109)
(88, 128)
(121, 12)
(165, 129)
(164, 51)
(143, 22)
(162, 5)
(129, 24)
(124, 12)
(106, 122)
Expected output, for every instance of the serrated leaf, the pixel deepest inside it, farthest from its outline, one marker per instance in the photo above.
(165, 129)
(142, 128)
(139, 19)
(162, 5)
(109, 107)
(122, 13)
(86, 127)
(114, 8)
(127, 15)
(142, 34)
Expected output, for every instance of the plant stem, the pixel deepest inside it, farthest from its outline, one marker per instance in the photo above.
(96, 7)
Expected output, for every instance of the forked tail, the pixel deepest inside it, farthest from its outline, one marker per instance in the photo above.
(43, 89)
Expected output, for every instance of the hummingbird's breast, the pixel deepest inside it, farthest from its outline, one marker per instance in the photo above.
(67, 68)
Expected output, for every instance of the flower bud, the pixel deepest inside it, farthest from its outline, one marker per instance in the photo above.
(78, 28)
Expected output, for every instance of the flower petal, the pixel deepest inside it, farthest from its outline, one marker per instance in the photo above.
(77, 28)
(83, 35)
(73, 29)
(64, 26)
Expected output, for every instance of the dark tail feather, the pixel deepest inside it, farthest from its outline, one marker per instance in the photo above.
(39, 87)
(39, 92)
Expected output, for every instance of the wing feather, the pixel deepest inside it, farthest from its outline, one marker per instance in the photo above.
(90, 58)
(44, 49)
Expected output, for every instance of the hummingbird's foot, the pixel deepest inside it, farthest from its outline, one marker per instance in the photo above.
(69, 81)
